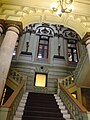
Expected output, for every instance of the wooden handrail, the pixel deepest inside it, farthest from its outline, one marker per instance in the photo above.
(82, 108)
(11, 99)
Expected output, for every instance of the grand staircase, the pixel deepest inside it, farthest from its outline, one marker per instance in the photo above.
(38, 106)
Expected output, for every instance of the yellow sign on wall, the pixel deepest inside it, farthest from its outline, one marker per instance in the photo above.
(40, 80)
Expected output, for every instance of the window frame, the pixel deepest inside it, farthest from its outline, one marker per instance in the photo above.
(74, 43)
(43, 47)
(41, 74)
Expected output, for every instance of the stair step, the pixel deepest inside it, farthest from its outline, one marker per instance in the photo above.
(43, 114)
(60, 103)
(24, 98)
(25, 95)
(42, 108)
(62, 107)
(21, 104)
(19, 114)
(41, 105)
(16, 118)
(66, 116)
(64, 111)
(40, 118)
(20, 108)
(40, 100)
(35, 106)
(58, 100)
(68, 119)
(23, 101)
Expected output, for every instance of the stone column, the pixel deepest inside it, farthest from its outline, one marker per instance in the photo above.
(88, 47)
(6, 52)
(1, 31)
(86, 41)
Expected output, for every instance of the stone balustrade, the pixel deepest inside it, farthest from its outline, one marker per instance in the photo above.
(80, 64)
(7, 111)
(77, 111)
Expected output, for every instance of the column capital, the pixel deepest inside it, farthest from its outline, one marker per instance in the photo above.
(86, 38)
(14, 24)
(1, 26)
(5, 24)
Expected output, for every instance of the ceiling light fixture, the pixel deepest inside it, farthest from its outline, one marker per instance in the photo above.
(62, 6)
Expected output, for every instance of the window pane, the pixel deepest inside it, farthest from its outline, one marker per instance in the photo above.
(69, 50)
(43, 42)
(71, 45)
(74, 51)
(69, 56)
(71, 41)
(75, 58)
(43, 49)
(40, 51)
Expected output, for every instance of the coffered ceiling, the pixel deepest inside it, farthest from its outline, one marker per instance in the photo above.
(37, 11)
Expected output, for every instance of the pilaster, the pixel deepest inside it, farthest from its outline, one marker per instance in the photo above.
(86, 41)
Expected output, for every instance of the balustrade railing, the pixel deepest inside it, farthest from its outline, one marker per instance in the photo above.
(15, 76)
(77, 111)
(7, 111)
(65, 81)
(80, 64)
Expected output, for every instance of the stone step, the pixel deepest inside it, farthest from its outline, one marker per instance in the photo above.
(23, 101)
(62, 107)
(66, 116)
(16, 118)
(19, 114)
(20, 108)
(64, 111)
(24, 98)
(69, 119)
(60, 103)
(25, 95)
(59, 100)
(21, 104)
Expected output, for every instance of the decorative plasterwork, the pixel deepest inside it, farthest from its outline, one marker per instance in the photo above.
(41, 69)
(51, 30)
(39, 11)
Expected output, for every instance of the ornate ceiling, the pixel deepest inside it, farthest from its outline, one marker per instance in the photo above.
(38, 11)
